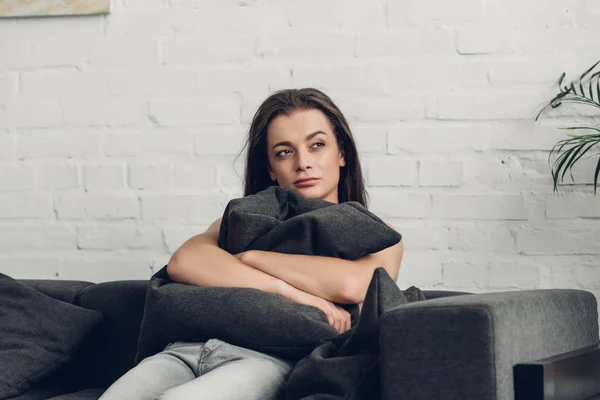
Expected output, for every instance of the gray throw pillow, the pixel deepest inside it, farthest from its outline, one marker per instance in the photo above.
(38, 334)
(246, 317)
(279, 220)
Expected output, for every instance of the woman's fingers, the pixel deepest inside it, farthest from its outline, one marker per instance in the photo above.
(345, 318)
(335, 317)
(337, 322)
(338, 317)
(328, 310)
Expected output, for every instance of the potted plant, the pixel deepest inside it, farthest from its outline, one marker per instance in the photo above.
(584, 90)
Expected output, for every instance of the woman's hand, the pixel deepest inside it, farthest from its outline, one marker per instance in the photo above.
(336, 315)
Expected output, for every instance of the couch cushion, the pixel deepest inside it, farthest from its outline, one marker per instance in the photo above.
(63, 290)
(110, 350)
(38, 335)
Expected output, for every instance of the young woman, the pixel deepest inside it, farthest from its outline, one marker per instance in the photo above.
(300, 140)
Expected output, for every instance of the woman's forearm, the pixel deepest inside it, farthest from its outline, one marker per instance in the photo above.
(327, 277)
(206, 265)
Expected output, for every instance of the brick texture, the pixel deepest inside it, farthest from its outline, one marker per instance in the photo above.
(118, 133)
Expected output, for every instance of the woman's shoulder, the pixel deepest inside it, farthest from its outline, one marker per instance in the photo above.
(216, 225)
(213, 230)
(392, 226)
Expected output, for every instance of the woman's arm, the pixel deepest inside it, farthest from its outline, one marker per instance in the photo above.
(200, 262)
(335, 279)
(325, 277)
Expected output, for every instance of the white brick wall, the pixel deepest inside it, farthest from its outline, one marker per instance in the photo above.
(118, 134)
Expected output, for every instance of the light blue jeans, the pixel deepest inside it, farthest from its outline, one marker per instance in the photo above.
(214, 370)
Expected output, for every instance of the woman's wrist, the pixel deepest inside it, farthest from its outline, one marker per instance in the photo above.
(284, 289)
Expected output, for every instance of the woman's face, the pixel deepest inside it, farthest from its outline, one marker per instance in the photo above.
(302, 145)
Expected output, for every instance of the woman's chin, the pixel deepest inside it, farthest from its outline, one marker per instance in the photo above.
(307, 191)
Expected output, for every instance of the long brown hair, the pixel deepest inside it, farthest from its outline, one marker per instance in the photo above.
(351, 184)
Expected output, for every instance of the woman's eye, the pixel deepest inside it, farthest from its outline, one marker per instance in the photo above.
(278, 154)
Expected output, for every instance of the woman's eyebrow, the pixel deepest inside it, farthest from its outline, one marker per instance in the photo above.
(308, 137)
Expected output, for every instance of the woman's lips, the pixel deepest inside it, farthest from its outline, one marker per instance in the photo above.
(309, 182)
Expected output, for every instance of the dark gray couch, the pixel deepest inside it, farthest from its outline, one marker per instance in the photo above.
(452, 346)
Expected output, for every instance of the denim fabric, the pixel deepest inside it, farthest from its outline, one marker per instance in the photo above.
(214, 370)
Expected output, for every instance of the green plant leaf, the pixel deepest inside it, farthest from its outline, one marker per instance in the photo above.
(581, 127)
(563, 165)
(580, 80)
(583, 76)
(596, 176)
(589, 70)
(591, 88)
(569, 151)
(567, 156)
(574, 151)
(582, 100)
(561, 79)
(596, 76)
(574, 94)
(590, 145)
(560, 162)
(570, 94)
(564, 142)
(576, 99)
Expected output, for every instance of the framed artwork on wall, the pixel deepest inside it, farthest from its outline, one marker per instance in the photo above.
(41, 8)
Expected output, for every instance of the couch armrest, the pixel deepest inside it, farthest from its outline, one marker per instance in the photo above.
(465, 347)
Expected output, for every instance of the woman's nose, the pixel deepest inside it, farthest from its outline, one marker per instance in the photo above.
(303, 160)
